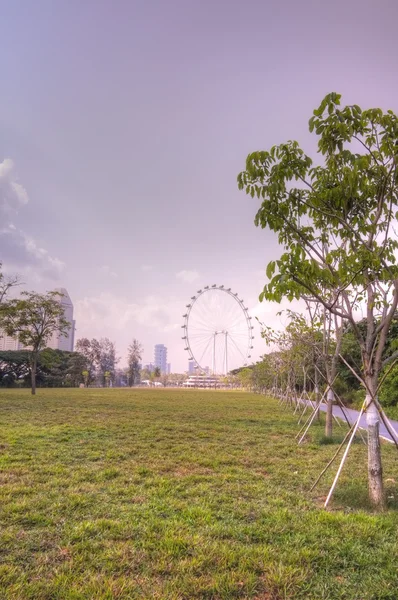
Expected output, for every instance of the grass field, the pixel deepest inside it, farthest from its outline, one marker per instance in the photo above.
(109, 494)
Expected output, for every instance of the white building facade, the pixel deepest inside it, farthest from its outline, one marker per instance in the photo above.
(64, 342)
(161, 357)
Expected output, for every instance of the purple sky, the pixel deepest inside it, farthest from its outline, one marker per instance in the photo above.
(123, 126)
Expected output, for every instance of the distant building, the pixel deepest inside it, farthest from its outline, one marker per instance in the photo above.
(202, 381)
(168, 368)
(192, 368)
(7, 342)
(56, 342)
(64, 342)
(150, 367)
(161, 357)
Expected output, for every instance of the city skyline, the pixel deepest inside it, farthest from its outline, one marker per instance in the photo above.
(119, 153)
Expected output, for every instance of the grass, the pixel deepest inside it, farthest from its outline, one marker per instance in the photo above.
(120, 494)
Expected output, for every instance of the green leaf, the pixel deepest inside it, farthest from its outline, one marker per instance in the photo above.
(270, 269)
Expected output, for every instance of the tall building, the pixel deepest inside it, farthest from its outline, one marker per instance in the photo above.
(57, 342)
(7, 342)
(192, 369)
(64, 342)
(161, 357)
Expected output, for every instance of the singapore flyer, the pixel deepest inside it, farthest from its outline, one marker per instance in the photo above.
(218, 333)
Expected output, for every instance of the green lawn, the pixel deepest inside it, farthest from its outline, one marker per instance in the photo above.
(109, 494)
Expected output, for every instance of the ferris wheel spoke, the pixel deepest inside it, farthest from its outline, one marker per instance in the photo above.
(237, 348)
(201, 358)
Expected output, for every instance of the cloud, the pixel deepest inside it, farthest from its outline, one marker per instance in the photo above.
(146, 268)
(12, 194)
(18, 249)
(108, 311)
(188, 276)
(107, 271)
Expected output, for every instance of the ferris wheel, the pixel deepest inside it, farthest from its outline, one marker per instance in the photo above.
(218, 333)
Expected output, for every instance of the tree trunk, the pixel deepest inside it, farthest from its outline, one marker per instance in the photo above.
(329, 413)
(33, 374)
(375, 469)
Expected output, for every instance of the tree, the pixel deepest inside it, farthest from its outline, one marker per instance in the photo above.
(134, 358)
(107, 361)
(14, 367)
(34, 318)
(335, 226)
(245, 377)
(6, 283)
(91, 350)
(164, 378)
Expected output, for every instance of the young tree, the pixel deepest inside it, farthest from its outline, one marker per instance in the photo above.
(336, 227)
(134, 358)
(91, 350)
(107, 361)
(34, 318)
(7, 282)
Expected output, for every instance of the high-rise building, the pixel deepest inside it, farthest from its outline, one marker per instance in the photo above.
(64, 342)
(192, 367)
(161, 357)
(57, 341)
(7, 342)
(168, 368)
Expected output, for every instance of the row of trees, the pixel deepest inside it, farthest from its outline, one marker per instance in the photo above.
(34, 318)
(335, 221)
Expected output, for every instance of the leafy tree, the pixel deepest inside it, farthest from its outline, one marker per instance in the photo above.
(86, 375)
(335, 225)
(245, 377)
(134, 358)
(58, 368)
(107, 361)
(34, 318)
(91, 350)
(14, 367)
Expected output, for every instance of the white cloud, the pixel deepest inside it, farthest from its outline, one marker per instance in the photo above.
(146, 268)
(188, 276)
(18, 249)
(12, 194)
(110, 311)
(107, 271)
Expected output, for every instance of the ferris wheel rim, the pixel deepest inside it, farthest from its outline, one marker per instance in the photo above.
(241, 305)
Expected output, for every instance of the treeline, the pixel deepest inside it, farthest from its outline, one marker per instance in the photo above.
(55, 368)
(302, 363)
(93, 363)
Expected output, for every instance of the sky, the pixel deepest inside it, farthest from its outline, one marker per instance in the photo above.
(123, 127)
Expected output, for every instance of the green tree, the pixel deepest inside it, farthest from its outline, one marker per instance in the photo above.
(86, 375)
(245, 377)
(107, 361)
(335, 226)
(14, 367)
(91, 350)
(134, 357)
(34, 318)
